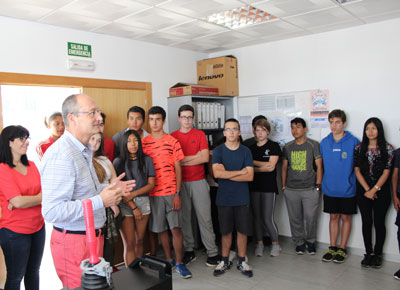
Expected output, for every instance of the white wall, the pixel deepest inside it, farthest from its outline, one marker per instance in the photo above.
(28, 47)
(360, 67)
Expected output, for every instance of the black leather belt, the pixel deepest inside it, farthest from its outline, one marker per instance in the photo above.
(80, 232)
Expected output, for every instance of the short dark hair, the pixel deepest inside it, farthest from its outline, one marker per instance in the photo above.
(299, 121)
(185, 108)
(337, 113)
(158, 110)
(233, 120)
(104, 117)
(136, 109)
(263, 123)
(256, 118)
(10, 133)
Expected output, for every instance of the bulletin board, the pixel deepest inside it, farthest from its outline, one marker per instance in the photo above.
(281, 108)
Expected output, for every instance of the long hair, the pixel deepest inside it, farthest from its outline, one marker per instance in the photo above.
(125, 155)
(100, 171)
(381, 142)
(10, 133)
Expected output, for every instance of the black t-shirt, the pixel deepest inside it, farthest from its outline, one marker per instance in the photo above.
(265, 181)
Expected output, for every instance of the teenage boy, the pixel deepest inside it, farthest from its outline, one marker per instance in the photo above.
(232, 165)
(135, 119)
(195, 189)
(396, 198)
(301, 184)
(165, 200)
(338, 184)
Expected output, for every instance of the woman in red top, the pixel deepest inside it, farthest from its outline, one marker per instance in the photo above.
(56, 125)
(22, 233)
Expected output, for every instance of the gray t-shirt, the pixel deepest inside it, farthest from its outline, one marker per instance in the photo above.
(132, 171)
(301, 173)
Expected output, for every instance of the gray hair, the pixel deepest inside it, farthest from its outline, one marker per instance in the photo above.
(69, 105)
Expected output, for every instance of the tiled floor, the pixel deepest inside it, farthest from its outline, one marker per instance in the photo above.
(291, 272)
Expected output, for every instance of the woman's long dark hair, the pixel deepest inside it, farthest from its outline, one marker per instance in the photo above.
(125, 155)
(100, 171)
(10, 133)
(381, 143)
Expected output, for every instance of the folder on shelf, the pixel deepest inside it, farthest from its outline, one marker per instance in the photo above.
(199, 122)
(203, 116)
(222, 115)
(216, 115)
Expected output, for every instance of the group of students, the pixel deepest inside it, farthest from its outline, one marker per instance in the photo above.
(154, 182)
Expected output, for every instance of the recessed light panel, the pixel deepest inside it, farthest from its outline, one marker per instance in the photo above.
(240, 17)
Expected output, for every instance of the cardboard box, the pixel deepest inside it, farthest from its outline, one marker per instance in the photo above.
(183, 89)
(220, 72)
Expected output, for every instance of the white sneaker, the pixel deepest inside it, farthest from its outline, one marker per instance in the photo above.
(275, 250)
(259, 250)
(245, 269)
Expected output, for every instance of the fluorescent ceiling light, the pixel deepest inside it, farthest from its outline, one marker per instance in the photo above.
(240, 17)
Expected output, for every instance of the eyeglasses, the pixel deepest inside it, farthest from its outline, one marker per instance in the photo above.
(91, 114)
(24, 139)
(187, 117)
(231, 130)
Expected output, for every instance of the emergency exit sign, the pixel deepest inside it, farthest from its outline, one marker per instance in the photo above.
(79, 49)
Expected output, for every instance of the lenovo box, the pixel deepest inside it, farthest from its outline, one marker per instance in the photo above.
(220, 72)
(183, 89)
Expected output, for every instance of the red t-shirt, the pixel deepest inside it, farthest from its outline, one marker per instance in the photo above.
(12, 184)
(164, 152)
(43, 146)
(191, 143)
(109, 148)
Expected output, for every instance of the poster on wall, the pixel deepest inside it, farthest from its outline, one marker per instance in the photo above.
(319, 111)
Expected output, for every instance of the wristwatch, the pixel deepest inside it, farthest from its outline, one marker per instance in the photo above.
(178, 193)
(377, 187)
(318, 186)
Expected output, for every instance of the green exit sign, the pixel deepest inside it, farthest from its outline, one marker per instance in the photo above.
(79, 49)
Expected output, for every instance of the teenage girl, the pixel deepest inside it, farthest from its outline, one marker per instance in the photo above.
(135, 207)
(56, 125)
(372, 163)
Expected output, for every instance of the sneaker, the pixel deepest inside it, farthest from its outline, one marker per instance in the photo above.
(311, 248)
(300, 250)
(397, 275)
(245, 268)
(258, 252)
(172, 263)
(376, 261)
(189, 257)
(340, 256)
(213, 261)
(275, 250)
(221, 268)
(330, 254)
(366, 262)
(183, 271)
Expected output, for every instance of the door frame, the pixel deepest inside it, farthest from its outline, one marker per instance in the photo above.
(63, 81)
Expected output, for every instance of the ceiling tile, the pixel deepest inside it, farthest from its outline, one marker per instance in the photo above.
(321, 17)
(382, 17)
(152, 2)
(123, 30)
(336, 26)
(195, 29)
(225, 38)
(368, 8)
(196, 45)
(287, 36)
(70, 20)
(154, 19)
(161, 38)
(202, 8)
(108, 10)
(284, 8)
(269, 28)
(29, 9)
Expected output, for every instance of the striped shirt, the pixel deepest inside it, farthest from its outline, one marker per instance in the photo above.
(68, 177)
